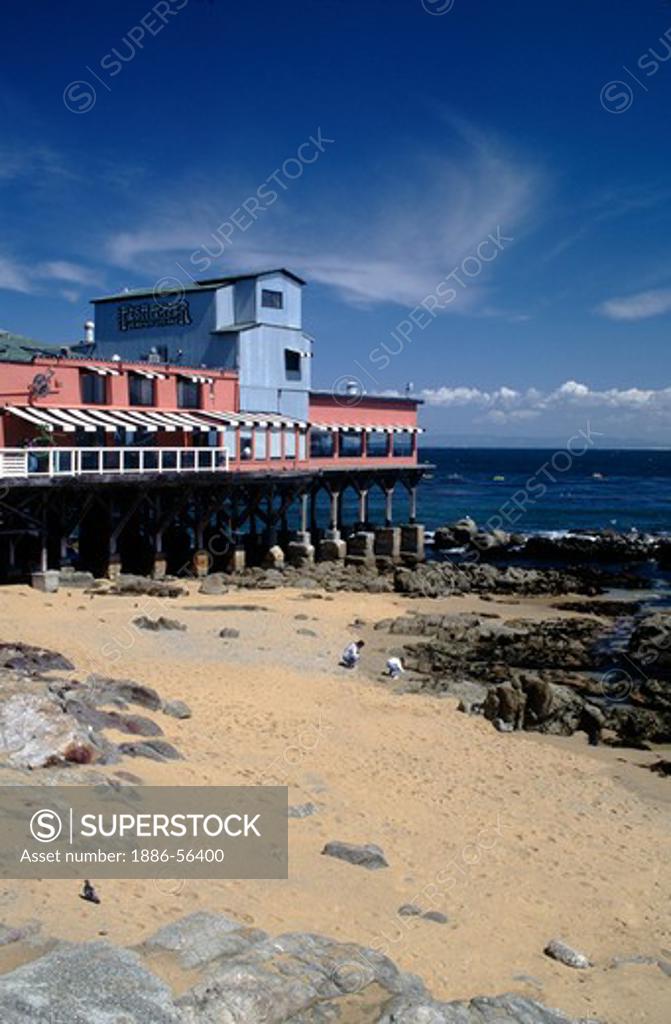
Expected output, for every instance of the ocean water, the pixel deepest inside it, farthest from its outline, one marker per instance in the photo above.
(622, 489)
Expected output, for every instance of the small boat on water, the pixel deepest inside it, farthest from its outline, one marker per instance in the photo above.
(498, 478)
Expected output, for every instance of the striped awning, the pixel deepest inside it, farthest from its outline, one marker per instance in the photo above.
(368, 428)
(91, 419)
(196, 378)
(106, 371)
(260, 419)
(150, 374)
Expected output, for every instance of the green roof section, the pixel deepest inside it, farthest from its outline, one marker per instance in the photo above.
(15, 348)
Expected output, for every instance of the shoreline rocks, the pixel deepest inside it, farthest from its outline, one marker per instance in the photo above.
(549, 675)
(241, 974)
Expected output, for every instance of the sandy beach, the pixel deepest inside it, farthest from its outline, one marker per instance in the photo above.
(518, 838)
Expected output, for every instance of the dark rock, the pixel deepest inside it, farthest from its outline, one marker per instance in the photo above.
(155, 750)
(367, 856)
(144, 622)
(128, 585)
(106, 690)
(661, 767)
(136, 725)
(302, 810)
(229, 633)
(26, 658)
(564, 954)
(306, 632)
(409, 910)
(437, 916)
(176, 709)
(596, 606)
(650, 645)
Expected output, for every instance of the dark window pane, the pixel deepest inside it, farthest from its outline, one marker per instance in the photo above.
(403, 444)
(188, 394)
(271, 299)
(377, 444)
(322, 443)
(292, 364)
(93, 388)
(350, 443)
(140, 390)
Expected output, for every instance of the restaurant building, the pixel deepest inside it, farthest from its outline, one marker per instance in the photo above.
(187, 414)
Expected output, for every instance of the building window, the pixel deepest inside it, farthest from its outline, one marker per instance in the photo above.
(322, 444)
(271, 299)
(140, 390)
(290, 444)
(351, 443)
(93, 388)
(292, 364)
(188, 394)
(377, 444)
(403, 443)
(260, 442)
(245, 444)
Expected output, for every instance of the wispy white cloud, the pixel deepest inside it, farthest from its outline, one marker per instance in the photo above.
(16, 276)
(639, 306)
(13, 277)
(391, 238)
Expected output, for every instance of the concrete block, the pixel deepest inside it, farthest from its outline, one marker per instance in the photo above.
(237, 560)
(300, 553)
(114, 567)
(47, 581)
(160, 567)
(201, 563)
(388, 542)
(412, 543)
(332, 550)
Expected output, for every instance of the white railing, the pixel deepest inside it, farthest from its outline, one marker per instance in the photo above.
(60, 462)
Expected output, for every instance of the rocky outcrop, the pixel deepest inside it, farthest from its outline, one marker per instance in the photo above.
(440, 579)
(49, 721)
(573, 548)
(242, 975)
(650, 644)
(129, 586)
(547, 675)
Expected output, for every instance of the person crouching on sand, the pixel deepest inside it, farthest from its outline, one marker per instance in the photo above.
(351, 655)
(394, 667)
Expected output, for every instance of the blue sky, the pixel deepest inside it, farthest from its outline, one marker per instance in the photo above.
(500, 169)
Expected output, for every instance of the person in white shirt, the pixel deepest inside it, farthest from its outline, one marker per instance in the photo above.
(394, 667)
(352, 653)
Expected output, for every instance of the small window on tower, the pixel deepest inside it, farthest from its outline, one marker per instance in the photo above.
(292, 364)
(271, 299)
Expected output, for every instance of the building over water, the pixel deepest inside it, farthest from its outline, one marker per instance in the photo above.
(187, 415)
